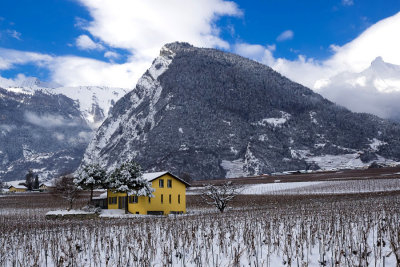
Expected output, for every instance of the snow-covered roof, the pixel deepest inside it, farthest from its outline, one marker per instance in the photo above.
(102, 196)
(152, 175)
(15, 183)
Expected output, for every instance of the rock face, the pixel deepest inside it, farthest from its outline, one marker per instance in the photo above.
(42, 132)
(213, 114)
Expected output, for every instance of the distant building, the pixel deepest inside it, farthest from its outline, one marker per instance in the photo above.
(170, 196)
(17, 188)
(45, 186)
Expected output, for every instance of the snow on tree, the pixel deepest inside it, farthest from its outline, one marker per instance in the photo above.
(220, 195)
(127, 178)
(1, 184)
(90, 177)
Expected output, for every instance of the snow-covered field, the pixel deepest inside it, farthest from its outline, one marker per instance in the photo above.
(355, 232)
(278, 224)
(318, 187)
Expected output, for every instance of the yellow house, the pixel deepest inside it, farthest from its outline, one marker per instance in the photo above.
(17, 188)
(169, 196)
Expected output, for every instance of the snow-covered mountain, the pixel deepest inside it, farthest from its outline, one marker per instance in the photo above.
(46, 127)
(375, 90)
(93, 101)
(42, 132)
(213, 114)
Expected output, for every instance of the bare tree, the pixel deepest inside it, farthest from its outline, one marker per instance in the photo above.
(220, 195)
(65, 187)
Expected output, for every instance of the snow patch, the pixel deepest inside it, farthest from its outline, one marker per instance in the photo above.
(262, 189)
(275, 122)
(233, 168)
(299, 153)
(227, 122)
(263, 138)
(375, 144)
(312, 117)
(252, 164)
(234, 151)
(69, 212)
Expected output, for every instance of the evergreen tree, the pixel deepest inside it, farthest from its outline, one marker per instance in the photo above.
(90, 177)
(29, 180)
(128, 179)
(36, 182)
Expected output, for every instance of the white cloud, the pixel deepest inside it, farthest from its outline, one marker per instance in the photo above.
(111, 55)
(76, 71)
(381, 39)
(284, 36)
(10, 57)
(48, 120)
(143, 27)
(84, 42)
(59, 136)
(14, 34)
(140, 28)
(256, 52)
(347, 2)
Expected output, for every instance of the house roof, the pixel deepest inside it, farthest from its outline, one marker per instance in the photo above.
(154, 175)
(48, 184)
(102, 196)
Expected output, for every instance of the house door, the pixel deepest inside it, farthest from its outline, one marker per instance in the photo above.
(121, 203)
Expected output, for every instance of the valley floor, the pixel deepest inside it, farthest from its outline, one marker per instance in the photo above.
(350, 227)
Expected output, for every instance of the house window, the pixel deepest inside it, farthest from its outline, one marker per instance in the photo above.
(179, 199)
(133, 199)
(112, 200)
(161, 183)
(170, 199)
(169, 183)
(162, 198)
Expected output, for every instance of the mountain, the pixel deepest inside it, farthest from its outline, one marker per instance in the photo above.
(94, 102)
(213, 114)
(374, 90)
(42, 132)
(46, 127)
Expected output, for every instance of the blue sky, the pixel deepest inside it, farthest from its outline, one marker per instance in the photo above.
(70, 37)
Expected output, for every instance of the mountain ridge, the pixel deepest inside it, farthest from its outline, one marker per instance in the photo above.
(214, 114)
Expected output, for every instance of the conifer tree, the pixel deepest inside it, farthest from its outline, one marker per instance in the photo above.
(90, 177)
(36, 182)
(127, 178)
(29, 180)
